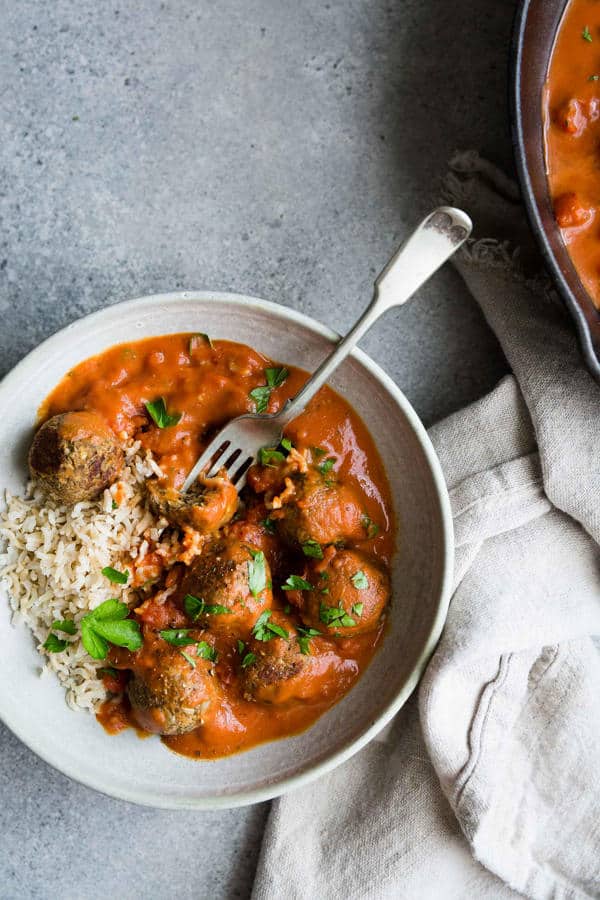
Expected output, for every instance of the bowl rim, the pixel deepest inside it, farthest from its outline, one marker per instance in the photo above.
(292, 782)
(576, 307)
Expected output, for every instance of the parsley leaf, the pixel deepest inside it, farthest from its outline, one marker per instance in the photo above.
(594, 78)
(248, 659)
(66, 625)
(317, 452)
(269, 456)
(586, 35)
(261, 395)
(295, 583)
(327, 465)
(360, 580)
(336, 616)
(257, 573)
(312, 549)
(54, 644)
(195, 607)
(157, 410)
(189, 659)
(108, 624)
(370, 526)
(115, 576)
(205, 651)
(286, 444)
(241, 646)
(264, 630)
(304, 636)
(275, 378)
(177, 637)
(268, 525)
(357, 609)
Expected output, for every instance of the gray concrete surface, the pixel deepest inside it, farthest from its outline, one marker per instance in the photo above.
(275, 147)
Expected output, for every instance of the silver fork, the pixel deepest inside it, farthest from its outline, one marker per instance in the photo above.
(236, 446)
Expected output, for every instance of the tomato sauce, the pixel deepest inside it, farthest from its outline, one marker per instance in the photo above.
(209, 383)
(572, 137)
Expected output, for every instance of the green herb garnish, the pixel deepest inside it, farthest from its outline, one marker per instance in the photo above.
(189, 659)
(317, 452)
(357, 609)
(371, 527)
(115, 576)
(286, 444)
(360, 580)
(157, 410)
(54, 644)
(108, 624)
(312, 549)
(305, 634)
(195, 607)
(594, 78)
(269, 456)
(265, 630)
(248, 659)
(257, 573)
(586, 35)
(114, 505)
(268, 525)
(260, 395)
(66, 625)
(335, 615)
(295, 583)
(327, 465)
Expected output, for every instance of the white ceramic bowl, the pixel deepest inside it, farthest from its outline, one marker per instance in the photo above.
(146, 771)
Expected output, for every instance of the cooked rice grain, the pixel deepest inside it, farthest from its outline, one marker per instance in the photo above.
(51, 561)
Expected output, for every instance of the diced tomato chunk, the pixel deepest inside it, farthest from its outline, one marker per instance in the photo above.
(570, 212)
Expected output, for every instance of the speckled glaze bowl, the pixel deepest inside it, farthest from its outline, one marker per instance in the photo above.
(146, 771)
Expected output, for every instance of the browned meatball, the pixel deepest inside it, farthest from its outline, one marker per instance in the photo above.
(168, 693)
(349, 594)
(208, 505)
(229, 575)
(273, 665)
(322, 510)
(75, 456)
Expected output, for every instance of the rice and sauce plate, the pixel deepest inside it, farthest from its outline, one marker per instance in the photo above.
(302, 610)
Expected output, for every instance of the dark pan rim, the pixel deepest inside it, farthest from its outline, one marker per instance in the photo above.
(532, 202)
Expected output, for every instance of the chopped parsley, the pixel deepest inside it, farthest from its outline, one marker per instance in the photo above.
(265, 630)
(114, 576)
(312, 549)
(286, 444)
(268, 525)
(114, 505)
(304, 636)
(360, 580)
(257, 573)
(317, 452)
(108, 624)
(371, 527)
(336, 616)
(327, 465)
(195, 607)
(248, 659)
(157, 410)
(68, 626)
(594, 78)
(296, 583)
(189, 659)
(260, 395)
(269, 456)
(357, 609)
(586, 35)
(54, 644)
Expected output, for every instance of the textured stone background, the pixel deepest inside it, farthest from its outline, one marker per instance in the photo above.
(275, 147)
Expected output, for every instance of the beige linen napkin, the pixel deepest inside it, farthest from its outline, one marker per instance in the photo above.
(489, 782)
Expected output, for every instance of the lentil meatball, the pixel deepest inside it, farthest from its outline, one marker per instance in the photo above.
(75, 456)
(208, 505)
(231, 574)
(322, 510)
(350, 592)
(269, 678)
(168, 694)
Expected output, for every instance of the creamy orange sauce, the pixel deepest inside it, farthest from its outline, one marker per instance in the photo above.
(572, 136)
(209, 385)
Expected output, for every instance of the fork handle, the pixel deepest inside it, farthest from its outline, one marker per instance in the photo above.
(428, 247)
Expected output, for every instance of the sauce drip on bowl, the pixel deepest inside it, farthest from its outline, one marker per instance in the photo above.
(207, 384)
